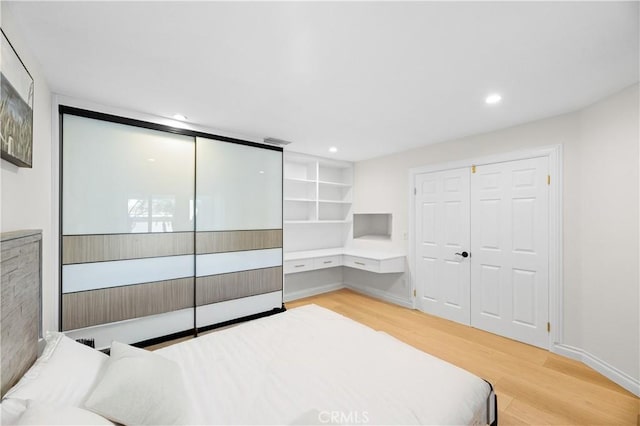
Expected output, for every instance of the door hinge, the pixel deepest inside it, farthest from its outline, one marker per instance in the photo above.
(548, 327)
(548, 179)
(414, 292)
(473, 168)
(415, 191)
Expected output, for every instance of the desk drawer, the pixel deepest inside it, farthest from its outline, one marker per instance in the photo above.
(293, 266)
(327, 262)
(362, 263)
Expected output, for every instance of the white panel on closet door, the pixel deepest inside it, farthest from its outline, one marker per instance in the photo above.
(239, 186)
(124, 179)
(237, 308)
(97, 275)
(235, 261)
(136, 330)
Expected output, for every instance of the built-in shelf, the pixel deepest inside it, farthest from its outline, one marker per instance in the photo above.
(318, 222)
(375, 237)
(315, 221)
(334, 201)
(298, 180)
(346, 185)
(317, 190)
(300, 200)
(372, 226)
(311, 200)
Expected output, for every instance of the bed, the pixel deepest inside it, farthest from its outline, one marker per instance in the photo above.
(308, 365)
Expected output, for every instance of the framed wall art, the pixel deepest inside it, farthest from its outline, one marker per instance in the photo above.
(16, 107)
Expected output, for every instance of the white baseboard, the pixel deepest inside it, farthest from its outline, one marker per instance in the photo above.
(313, 291)
(380, 294)
(623, 379)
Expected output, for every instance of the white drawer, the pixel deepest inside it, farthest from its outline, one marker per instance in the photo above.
(293, 266)
(362, 263)
(327, 262)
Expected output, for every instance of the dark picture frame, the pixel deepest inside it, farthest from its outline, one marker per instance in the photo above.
(16, 107)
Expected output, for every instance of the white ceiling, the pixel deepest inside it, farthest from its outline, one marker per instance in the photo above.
(369, 78)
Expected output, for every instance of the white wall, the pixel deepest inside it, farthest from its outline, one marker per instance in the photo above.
(608, 222)
(309, 283)
(600, 216)
(26, 193)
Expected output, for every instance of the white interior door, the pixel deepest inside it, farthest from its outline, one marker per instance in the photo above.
(510, 249)
(442, 228)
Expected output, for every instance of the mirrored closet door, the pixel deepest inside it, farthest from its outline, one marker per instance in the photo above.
(156, 222)
(239, 231)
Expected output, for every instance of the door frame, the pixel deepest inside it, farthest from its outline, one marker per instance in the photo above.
(554, 154)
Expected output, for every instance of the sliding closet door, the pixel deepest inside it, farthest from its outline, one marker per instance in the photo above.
(238, 231)
(128, 231)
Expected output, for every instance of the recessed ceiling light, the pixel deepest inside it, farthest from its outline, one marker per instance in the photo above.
(151, 160)
(179, 117)
(261, 172)
(493, 98)
(333, 149)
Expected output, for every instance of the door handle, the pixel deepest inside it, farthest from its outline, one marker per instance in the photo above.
(463, 254)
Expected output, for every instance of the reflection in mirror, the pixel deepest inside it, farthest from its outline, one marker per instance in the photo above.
(238, 187)
(120, 179)
(154, 214)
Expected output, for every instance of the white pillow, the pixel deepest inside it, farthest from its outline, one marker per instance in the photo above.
(139, 387)
(10, 410)
(64, 374)
(39, 413)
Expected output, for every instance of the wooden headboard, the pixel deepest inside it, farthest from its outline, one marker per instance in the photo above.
(20, 303)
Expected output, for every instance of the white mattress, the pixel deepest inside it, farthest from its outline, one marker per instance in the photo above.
(310, 365)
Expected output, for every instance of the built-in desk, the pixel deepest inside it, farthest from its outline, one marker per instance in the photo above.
(381, 262)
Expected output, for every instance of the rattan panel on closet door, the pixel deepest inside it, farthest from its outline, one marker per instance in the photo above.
(218, 288)
(224, 241)
(87, 308)
(105, 247)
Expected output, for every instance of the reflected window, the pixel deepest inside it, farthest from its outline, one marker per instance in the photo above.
(154, 214)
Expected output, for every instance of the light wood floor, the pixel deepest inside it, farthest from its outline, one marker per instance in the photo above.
(534, 386)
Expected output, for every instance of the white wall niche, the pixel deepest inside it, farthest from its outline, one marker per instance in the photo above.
(372, 226)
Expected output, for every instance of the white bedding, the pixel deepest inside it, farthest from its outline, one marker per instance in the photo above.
(310, 365)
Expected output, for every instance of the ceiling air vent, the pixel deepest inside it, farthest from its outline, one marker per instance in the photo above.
(274, 141)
